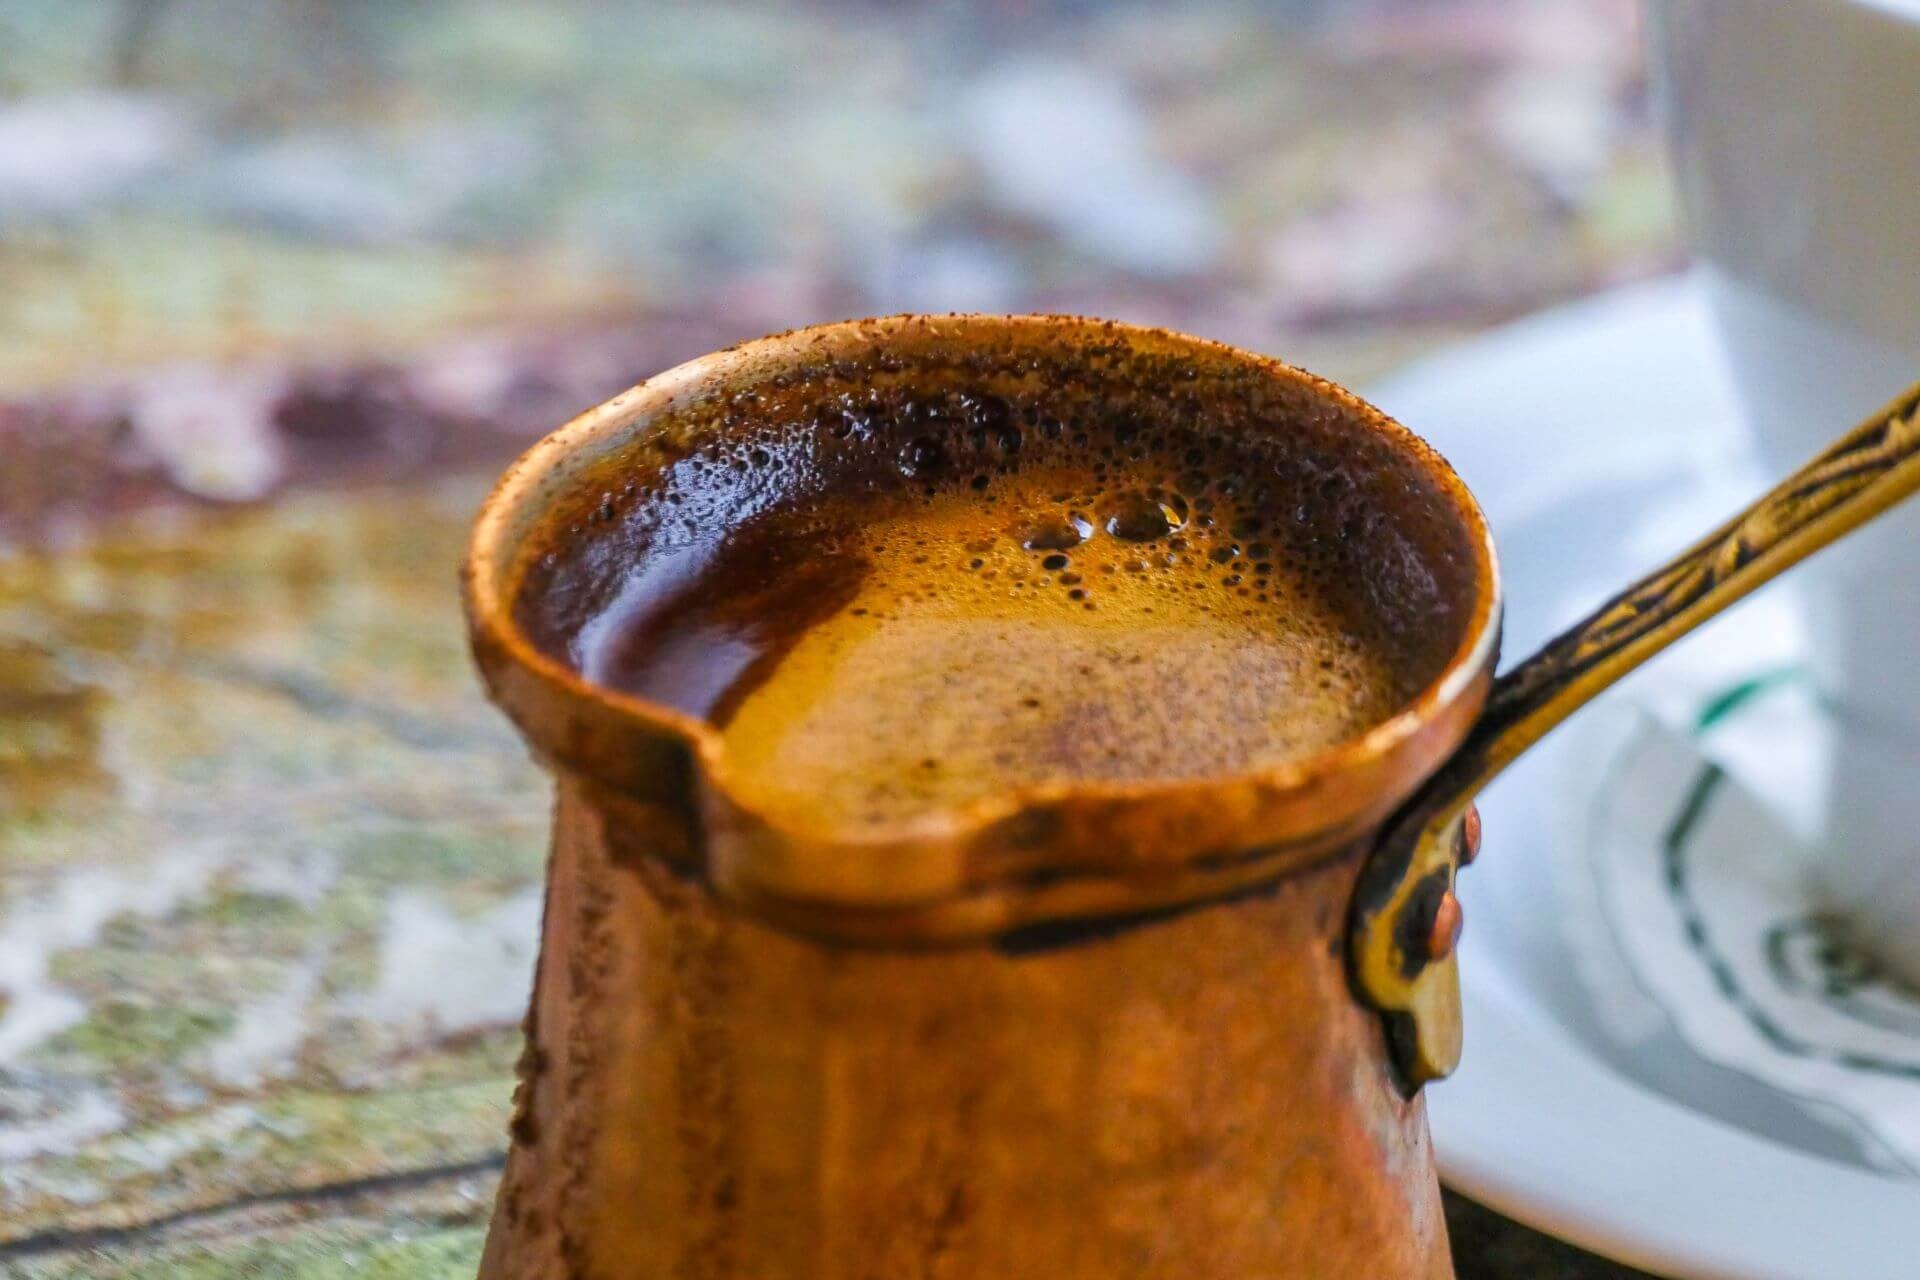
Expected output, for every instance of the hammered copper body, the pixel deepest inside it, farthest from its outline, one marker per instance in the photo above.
(1074, 1031)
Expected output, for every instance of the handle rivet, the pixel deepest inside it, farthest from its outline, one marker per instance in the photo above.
(1470, 835)
(1448, 920)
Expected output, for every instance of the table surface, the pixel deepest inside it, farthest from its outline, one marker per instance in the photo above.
(277, 306)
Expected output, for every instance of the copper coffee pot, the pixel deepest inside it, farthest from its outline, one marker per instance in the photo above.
(1099, 1030)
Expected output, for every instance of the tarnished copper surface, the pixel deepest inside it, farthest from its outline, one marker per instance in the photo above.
(1083, 1030)
(705, 1096)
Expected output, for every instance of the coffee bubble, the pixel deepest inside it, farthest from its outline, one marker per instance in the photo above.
(922, 457)
(1056, 531)
(1143, 515)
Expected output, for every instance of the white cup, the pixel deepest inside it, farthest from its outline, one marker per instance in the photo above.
(1794, 127)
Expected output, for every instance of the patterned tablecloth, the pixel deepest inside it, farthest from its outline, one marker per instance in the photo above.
(282, 284)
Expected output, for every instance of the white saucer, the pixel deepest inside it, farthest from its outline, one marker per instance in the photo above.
(1600, 437)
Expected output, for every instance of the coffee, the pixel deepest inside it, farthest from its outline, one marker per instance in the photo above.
(926, 596)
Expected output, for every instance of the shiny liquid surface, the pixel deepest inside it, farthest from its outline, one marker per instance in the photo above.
(885, 653)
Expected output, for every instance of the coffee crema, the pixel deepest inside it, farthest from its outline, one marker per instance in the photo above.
(903, 601)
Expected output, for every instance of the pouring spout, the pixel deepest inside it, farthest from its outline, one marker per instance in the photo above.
(1410, 873)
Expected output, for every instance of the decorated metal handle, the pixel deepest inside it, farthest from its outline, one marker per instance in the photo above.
(1405, 917)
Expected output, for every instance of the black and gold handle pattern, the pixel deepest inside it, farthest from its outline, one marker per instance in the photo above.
(1862, 474)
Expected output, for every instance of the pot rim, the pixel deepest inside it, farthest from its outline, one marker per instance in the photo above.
(929, 858)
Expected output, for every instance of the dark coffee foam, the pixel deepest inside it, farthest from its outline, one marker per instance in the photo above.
(905, 595)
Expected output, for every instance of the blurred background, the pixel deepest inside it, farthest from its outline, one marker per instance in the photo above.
(283, 283)
(523, 207)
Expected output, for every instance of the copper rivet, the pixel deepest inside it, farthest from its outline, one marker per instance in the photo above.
(1470, 835)
(1447, 921)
